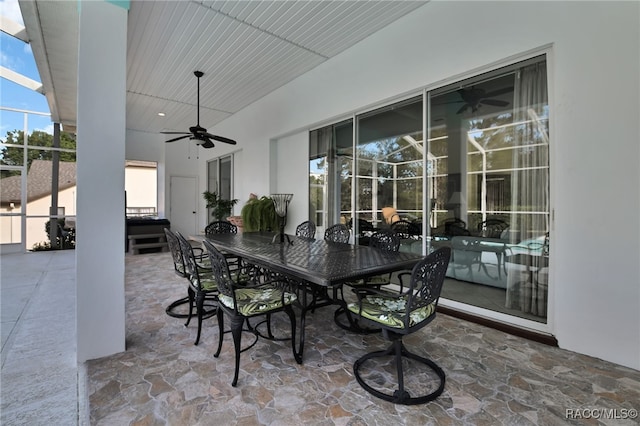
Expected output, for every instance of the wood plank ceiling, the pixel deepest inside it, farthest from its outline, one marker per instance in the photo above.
(246, 49)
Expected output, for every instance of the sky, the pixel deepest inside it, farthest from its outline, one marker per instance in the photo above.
(17, 56)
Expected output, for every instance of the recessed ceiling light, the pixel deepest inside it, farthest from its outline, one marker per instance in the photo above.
(161, 114)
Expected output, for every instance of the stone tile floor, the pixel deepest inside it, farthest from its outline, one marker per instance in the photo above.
(492, 377)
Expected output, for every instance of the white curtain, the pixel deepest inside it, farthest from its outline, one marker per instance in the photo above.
(529, 190)
(530, 181)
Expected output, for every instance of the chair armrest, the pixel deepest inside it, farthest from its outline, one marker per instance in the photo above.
(363, 292)
(403, 274)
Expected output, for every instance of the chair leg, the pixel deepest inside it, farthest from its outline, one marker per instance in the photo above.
(191, 296)
(220, 317)
(199, 311)
(400, 394)
(269, 333)
(236, 332)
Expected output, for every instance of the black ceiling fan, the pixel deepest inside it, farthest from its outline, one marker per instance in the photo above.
(198, 133)
(474, 98)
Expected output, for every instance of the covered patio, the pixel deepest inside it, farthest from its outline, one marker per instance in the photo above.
(162, 378)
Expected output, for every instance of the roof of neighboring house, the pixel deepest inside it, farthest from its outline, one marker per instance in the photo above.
(38, 181)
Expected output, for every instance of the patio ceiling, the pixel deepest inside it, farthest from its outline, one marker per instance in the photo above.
(246, 49)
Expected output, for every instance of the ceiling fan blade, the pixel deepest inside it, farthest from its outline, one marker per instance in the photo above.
(462, 109)
(175, 133)
(220, 138)
(179, 137)
(207, 144)
(498, 92)
(494, 102)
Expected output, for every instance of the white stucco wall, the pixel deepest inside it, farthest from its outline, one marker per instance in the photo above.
(100, 238)
(284, 149)
(594, 68)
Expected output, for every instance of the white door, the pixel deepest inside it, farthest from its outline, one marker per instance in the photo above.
(183, 206)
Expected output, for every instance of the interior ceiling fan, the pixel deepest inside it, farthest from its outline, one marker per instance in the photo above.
(474, 98)
(198, 133)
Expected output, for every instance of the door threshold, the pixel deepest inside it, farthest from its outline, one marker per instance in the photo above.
(528, 334)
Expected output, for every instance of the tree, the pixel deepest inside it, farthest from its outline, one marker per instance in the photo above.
(13, 156)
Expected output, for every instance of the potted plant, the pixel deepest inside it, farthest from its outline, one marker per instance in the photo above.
(259, 214)
(220, 208)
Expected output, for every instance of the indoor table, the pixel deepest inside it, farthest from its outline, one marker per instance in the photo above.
(318, 262)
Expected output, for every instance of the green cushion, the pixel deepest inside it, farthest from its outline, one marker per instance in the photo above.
(204, 264)
(260, 300)
(206, 284)
(390, 311)
(376, 280)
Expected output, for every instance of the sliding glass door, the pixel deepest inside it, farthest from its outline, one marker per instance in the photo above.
(478, 184)
(489, 137)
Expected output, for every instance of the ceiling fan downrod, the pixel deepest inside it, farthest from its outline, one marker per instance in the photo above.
(198, 74)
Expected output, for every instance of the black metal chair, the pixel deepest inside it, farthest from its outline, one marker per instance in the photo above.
(225, 227)
(180, 269)
(337, 233)
(202, 286)
(400, 314)
(306, 229)
(220, 227)
(241, 302)
(381, 240)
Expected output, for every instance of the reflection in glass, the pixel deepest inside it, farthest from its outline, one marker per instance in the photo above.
(486, 193)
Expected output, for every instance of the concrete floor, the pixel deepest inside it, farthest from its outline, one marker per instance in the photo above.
(40, 375)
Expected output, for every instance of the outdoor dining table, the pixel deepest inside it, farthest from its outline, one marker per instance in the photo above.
(319, 263)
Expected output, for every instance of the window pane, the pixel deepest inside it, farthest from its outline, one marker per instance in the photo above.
(330, 174)
(390, 154)
(489, 173)
(141, 186)
(225, 178)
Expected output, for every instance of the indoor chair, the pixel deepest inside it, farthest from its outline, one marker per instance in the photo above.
(399, 314)
(241, 302)
(466, 252)
(455, 227)
(492, 228)
(406, 230)
(363, 231)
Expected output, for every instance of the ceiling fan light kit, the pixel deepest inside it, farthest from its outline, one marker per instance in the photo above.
(198, 133)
